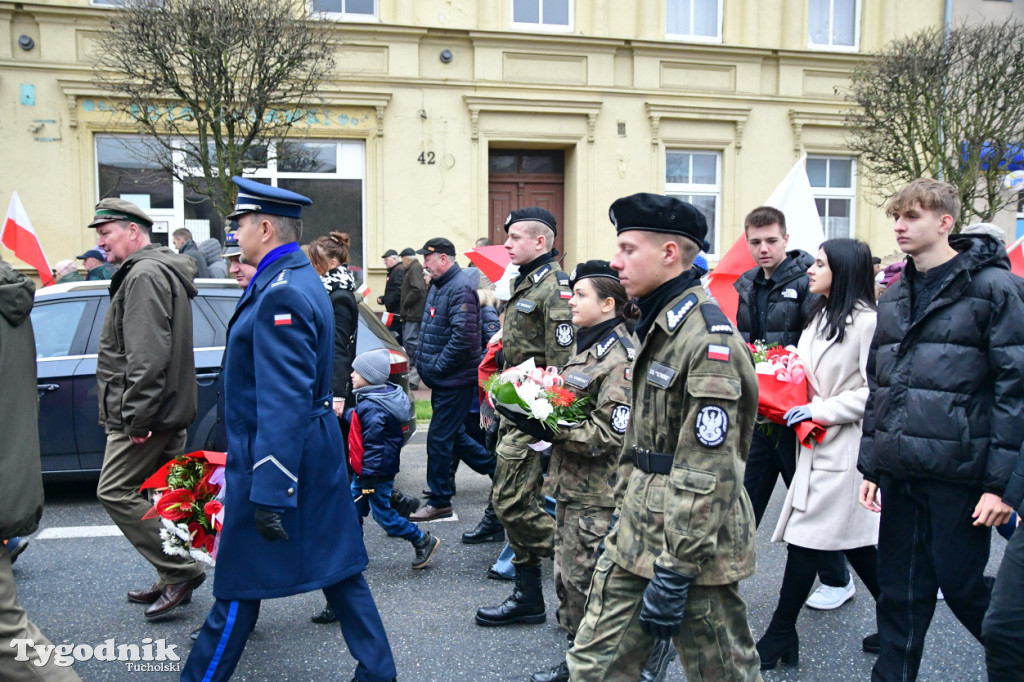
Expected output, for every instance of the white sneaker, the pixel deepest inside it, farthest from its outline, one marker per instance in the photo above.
(826, 597)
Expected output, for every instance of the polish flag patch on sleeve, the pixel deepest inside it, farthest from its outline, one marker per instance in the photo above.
(716, 352)
(565, 295)
(284, 319)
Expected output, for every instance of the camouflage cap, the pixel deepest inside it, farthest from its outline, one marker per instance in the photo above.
(112, 208)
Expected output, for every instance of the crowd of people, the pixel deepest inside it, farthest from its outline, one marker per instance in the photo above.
(649, 504)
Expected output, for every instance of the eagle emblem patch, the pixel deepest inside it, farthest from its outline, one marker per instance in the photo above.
(711, 426)
(620, 419)
(563, 334)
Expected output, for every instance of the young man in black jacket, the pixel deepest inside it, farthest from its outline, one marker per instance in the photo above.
(774, 306)
(942, 427)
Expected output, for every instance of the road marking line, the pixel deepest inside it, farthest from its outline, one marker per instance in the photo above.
(66, 532)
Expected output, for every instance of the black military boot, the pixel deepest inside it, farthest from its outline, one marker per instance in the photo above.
(488, 530)
(558, 673)
(524, 605)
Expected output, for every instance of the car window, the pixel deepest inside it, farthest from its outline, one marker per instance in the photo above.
(203, 334)
(55, 324)
(223, 307)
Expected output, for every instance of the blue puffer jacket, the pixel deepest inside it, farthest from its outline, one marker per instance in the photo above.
(449, 349)
(375, 430)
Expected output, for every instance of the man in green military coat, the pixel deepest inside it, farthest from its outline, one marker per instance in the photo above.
(538, 325)
(685, 535)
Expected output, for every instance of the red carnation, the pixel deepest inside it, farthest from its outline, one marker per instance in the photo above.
(561, 397)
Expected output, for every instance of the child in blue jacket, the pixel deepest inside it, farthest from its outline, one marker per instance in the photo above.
(374, 446)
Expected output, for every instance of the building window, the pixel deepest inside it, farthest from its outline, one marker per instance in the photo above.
(330, 172)
(833, 24)
(346, 9)
(834, 183)
(698, 20)
(696, 177)
(546, 15)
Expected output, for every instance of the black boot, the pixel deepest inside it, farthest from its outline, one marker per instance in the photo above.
(425, 549)
(488, 530)
(525, 605)
(780, 641)
(325, 616)
(778, 645)
(403, 504)
(559, 673)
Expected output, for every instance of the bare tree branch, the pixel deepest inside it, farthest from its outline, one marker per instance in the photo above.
(211, 83)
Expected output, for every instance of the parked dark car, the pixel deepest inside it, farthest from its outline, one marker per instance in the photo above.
(67, 319)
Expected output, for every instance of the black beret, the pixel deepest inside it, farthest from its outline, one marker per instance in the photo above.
(658, 213)
(592, 268)
(532, 213)
(408, 252)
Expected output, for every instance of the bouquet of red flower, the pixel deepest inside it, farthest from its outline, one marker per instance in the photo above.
(537, 394)
(188, 500)
(781, 386)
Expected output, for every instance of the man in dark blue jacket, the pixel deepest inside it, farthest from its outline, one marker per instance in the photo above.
(447, 358)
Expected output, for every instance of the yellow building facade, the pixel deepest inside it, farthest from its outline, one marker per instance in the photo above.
(443, 114)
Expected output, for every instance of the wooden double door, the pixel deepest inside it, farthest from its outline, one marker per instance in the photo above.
(522, 178)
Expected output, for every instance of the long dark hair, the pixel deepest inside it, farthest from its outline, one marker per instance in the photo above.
(606, 287)
(853, 284)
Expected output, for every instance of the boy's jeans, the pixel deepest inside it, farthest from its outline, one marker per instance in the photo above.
(378, 503)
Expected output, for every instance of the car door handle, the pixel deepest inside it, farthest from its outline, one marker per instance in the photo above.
(47, 387)
(208, 378)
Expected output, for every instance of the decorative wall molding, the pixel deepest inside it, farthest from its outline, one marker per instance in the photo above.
(735, 115)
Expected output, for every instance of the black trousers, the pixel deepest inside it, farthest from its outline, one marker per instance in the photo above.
(801, 565)
(773, 454)
(926, 541)
(1002, 631)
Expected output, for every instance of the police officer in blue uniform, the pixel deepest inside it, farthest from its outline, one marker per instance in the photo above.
(289, 525)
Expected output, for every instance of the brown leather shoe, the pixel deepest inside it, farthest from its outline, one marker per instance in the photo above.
(174, 595)
(430, 512)
(147, 595)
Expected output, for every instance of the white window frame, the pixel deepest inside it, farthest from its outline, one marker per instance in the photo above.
(841, 193)
(348, 16)
(704, 190)
(692, 37)
(811, 45)
(540, 25)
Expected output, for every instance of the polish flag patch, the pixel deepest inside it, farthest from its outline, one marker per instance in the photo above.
(565, 295)
(280, 320)
(432, 311)
(718, 353)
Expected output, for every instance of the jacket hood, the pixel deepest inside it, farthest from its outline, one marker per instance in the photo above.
(182, 266)
(16, 295)
(211, 250)
(980, 251)
(794, 266)
(389, 396)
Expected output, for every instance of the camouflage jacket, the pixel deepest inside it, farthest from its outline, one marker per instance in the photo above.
(586, 461)
(694, 398)
(538, 322)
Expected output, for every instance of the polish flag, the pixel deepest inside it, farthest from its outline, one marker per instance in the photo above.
(793, 197)
(19, 236)
(387, 318)
(1016, 253)
(363, 290)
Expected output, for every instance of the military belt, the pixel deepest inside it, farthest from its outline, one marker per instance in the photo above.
(652, 462)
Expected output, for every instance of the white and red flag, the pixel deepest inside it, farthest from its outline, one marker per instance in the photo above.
(19, 236)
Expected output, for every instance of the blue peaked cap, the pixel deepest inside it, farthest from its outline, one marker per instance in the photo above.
(255, 197)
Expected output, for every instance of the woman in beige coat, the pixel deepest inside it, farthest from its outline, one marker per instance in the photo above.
(821, 511)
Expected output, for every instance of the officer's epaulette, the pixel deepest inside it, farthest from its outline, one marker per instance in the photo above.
(563, 278)
(715, 319)
(677, 313)
(281, 278)
(543, 270)
(628, 345)
(606, 345)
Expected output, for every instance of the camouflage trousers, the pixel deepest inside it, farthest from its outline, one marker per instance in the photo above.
(579, 530)
(714, 644)
(518, 501)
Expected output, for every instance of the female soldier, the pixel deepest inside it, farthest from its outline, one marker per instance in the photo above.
(585, 460)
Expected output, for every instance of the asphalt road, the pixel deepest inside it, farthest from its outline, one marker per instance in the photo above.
(74, 590)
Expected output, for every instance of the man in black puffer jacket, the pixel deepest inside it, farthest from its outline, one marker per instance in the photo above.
(943, 422)
(774, 306)
(447, 357)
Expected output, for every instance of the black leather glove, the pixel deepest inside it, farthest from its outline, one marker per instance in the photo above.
(664, 603)
(268, 523)
(531, 427)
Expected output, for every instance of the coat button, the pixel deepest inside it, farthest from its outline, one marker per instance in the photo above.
(327, 403)
(291, 491)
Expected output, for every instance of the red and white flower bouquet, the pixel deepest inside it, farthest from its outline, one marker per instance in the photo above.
(781, 386)
(189, 501)
(537, 394)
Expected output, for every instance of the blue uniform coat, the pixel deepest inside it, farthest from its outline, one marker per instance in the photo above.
(284, 443)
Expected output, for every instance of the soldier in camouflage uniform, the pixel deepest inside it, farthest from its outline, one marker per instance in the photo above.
(685, 536)
(538, 325)
(586, 460)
